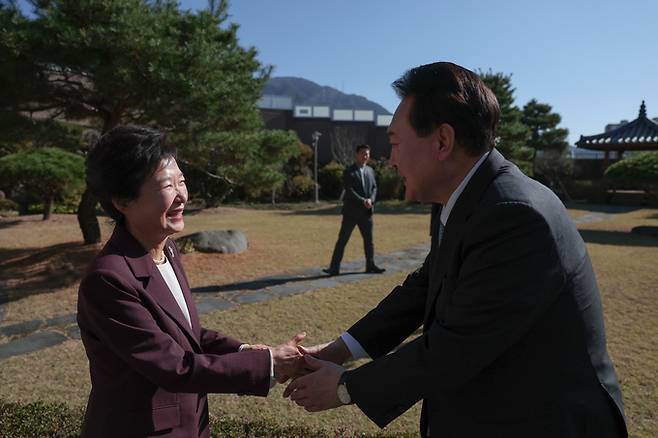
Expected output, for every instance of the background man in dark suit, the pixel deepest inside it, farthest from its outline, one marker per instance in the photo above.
(358, 205)
(513, 341)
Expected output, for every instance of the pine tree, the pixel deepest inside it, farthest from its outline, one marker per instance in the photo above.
(106, 63)
(544, 133)
(512, 132)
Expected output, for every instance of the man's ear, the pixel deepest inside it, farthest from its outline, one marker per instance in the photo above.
(444, 136)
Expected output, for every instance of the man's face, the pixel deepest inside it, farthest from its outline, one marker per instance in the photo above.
(415, 158)
(363, 156)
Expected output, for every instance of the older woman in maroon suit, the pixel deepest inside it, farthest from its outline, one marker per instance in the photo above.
(151, 363)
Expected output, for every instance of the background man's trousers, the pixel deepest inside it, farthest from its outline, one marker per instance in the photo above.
(364, 223)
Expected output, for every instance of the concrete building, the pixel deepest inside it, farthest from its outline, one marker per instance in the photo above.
(339, 126)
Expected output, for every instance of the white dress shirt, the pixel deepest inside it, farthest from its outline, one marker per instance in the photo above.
(169, 276)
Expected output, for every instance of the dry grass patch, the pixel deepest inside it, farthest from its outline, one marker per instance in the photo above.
(60, 374)
(576, 213)
(56, 374)
(625, 264)
(323, 315)
(280, 241)
(41, 263)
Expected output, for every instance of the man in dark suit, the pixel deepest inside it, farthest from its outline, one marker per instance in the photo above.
(513, 341)
(360, 191)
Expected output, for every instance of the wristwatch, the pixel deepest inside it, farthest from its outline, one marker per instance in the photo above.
(341, 390)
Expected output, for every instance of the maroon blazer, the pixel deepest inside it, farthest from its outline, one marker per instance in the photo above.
(150, 371)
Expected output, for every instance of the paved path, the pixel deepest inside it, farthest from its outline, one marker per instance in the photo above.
(35, 335)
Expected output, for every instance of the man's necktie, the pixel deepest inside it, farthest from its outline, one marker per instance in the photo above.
(363, 180)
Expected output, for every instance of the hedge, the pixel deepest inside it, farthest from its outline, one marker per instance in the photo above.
(57, 420)
(39, 420)
(330, 178)
(637, 171)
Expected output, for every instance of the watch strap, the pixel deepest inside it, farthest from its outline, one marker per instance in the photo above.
(342, 388)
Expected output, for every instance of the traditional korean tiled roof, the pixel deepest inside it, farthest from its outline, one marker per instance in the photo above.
(640, 134)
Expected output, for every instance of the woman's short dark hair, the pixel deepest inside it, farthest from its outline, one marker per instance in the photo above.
(122, 160)
(444, 92)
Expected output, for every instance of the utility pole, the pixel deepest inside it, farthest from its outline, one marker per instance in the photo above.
(316, 137)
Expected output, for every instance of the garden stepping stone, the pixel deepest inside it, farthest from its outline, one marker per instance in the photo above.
(31, 343)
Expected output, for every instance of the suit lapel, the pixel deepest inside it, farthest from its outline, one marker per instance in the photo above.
(360, 182)
(185, 287)
(364, 185)
(159, 290)
(453, 232)
(369, 180)
(144, 268)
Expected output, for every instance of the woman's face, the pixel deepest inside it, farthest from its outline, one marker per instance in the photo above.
(158, 211)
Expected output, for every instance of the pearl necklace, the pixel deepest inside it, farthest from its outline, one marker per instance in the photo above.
(161, 261)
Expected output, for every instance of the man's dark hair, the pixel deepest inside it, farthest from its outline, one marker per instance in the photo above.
(361, 147)
(444, 92)
(122, 160)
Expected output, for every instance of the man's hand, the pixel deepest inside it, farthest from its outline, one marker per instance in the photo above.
(335, 351)
(288, 360)
(368, 203)
(316, 391)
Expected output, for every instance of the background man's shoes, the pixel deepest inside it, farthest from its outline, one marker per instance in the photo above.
(375, 270)
(330, 271)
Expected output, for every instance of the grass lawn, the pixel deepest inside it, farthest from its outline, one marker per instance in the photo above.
(42, 262)
(625, 264)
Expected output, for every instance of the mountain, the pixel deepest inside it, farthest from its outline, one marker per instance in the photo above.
(305, 92)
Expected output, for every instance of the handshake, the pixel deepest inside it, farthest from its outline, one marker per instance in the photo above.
(315, 371)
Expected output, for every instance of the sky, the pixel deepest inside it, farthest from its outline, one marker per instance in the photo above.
(593, 61)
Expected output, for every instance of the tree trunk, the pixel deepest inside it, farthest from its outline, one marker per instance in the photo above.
(91, 231)
(23, 207)
(47, 208)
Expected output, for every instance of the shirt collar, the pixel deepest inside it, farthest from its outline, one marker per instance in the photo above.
(447, 208)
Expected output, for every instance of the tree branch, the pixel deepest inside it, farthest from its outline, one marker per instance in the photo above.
(35, 108)
(209, 174)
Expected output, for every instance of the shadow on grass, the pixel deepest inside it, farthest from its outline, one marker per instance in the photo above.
(33, 271)
(602, 208)
(386, 207)
(262, 283)
(619, 238)
(646, 230)
(402, 207)
(8, 223)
